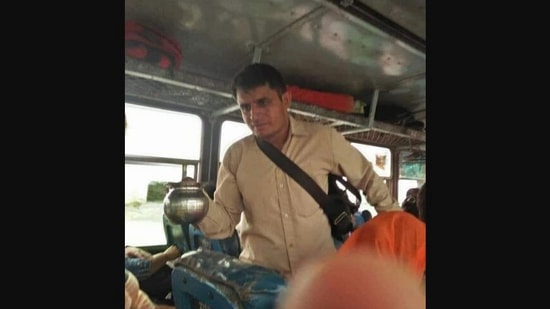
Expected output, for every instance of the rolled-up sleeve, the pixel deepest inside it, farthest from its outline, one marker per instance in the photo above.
(225, 210)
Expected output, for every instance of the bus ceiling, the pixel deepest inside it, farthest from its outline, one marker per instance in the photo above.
(373, 50)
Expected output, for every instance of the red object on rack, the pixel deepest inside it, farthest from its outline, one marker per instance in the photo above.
(329, 100)
(148, 44)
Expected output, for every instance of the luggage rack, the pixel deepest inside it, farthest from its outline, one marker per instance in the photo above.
(145, 82)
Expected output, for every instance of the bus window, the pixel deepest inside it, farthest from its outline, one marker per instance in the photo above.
(380, 157)
(412, 171)
(403, 186)
(153, 158)
(143, 213)
(231, 131)
(154, 132)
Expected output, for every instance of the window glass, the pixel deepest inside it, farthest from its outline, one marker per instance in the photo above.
(231, 131)
(403, 185)
(143, 202)
(161, 133)
(412, 171)
(380, 158)
(156, 135)
(138, 177)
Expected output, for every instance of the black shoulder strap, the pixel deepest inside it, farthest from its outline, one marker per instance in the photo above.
(293, 171)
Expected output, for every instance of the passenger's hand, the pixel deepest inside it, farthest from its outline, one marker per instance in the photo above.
(137, 253)
(172, 252)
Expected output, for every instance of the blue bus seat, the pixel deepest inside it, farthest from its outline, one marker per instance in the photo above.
(230, 245)
(188, 238)
(177, 234)
(216, 280)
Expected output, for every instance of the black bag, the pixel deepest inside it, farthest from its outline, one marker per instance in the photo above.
(340, 205)
(337, 204)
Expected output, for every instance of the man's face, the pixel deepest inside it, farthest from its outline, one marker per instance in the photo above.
(265, 113)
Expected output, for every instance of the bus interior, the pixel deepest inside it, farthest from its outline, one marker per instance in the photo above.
(180, 120)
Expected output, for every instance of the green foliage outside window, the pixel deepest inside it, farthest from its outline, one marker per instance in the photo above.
(412, 170)
(156, 191)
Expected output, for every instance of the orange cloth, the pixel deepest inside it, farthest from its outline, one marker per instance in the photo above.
(396, 234)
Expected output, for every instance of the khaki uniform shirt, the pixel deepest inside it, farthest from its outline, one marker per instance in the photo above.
(282, 226)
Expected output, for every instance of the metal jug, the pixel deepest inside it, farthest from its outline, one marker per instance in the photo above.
(186, 204)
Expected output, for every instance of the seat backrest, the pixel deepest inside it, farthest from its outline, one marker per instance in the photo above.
(230, 246)
(177, 234)
(211, 279)
(187, 238)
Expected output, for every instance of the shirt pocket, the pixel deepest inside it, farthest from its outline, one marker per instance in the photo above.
(307, 209)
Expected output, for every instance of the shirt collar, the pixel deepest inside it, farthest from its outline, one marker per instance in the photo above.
(297, 127)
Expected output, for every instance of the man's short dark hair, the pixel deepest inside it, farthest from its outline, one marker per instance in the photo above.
(258, 74)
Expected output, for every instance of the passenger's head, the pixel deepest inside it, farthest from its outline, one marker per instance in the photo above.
(262, 96)
(409, 205)
(412, 193)
(366, 215)
(421, 203)
(393, 235)
(356, 279)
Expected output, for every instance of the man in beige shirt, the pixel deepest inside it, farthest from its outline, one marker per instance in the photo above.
(282, 226)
